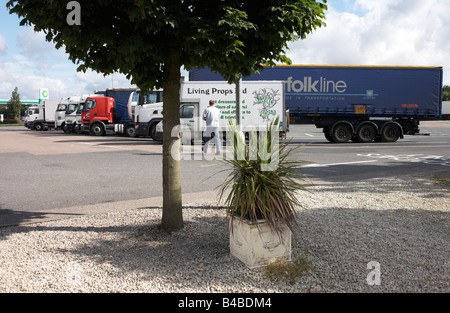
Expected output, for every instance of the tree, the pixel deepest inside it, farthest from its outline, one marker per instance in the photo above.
(14, 104)
(149, 41)
(446, 93)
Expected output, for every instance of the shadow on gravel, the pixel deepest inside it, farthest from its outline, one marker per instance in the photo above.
(10, 218)
(411, 247)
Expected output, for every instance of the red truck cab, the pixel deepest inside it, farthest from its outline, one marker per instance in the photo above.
(97, 112)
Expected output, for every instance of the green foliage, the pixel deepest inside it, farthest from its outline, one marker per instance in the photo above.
(133, 36)
(14, 104)
(446, 93)
(263, 179)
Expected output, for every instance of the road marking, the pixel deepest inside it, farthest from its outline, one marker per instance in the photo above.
(344, 163)
(209, 165)
(309, 135)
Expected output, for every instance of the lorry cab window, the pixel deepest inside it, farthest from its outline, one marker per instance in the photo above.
(80, 108)
(187, 111)
(71, 108)
(62, 107)
(152, 97)
(89, 105)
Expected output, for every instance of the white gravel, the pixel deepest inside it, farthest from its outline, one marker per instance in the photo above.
(401, 223)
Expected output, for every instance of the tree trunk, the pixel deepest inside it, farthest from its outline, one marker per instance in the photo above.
(172, 217)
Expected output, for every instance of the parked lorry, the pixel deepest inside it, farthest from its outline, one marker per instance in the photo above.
(359, 103)
(261, 102)
(42, 116)
(66, 106)
(148, 112)
(123, 111)
(103, 116)
(72, 121)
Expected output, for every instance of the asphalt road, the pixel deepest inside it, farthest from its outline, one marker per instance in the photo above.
(44, 171)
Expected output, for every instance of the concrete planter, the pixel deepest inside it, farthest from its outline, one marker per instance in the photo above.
(256, 245)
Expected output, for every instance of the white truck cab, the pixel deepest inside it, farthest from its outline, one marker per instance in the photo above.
(147, 112)
(31, 114)
(42, 116)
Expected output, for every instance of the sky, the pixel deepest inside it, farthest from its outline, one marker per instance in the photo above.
(358, 32)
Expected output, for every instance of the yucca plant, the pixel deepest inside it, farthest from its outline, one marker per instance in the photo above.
(263, 180)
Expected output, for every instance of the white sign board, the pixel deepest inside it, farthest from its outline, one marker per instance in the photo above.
(261, 101)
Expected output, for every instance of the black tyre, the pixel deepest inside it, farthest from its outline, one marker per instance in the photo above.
(38, 127)
(76, 129)
(65, 128)
(366, 133)
(341, 133)
(152, 131)
(97, 129)
(130, 131)
(328, 136)
(390, 133)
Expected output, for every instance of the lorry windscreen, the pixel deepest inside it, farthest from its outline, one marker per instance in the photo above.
(89, 105)
(62, 107)
(80, 108)
(71, 108)
(151, 97)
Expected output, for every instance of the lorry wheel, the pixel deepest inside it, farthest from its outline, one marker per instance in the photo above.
(152, 131)
(326, 132)
(366, 133)
(341, 133)
(390, 133)
(329, 137)
(38, 127)
(130, 131)
(65, 128)
(97, 130)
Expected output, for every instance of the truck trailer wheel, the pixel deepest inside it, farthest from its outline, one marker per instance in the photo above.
(341, 133)
(97, 130)
(326, 132)
(390, 132)
(366, 133)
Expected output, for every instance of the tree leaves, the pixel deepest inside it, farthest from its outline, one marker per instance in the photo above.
(132, 36)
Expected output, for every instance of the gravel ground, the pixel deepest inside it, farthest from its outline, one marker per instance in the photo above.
(402, 223)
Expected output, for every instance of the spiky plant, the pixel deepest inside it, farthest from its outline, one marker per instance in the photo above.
(263, 180)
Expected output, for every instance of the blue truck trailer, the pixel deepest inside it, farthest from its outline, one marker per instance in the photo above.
(359, 103)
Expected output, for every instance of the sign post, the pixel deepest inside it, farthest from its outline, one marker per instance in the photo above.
(43, 95)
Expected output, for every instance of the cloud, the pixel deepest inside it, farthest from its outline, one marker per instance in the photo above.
(386, 32)
(95, 81)
(36, 64)
(33, 46)
(3, 46)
